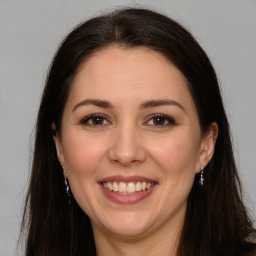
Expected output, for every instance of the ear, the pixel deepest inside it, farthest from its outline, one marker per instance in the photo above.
(58, 145)
(207, 146)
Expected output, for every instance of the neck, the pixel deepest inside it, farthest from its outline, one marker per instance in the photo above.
(163, 241)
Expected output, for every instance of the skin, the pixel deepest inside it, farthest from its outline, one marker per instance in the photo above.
(130, 142)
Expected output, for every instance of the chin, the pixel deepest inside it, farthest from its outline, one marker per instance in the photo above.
(128, 226)
(129, 232)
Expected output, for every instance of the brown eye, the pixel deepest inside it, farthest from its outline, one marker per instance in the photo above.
(160, 120)
(95, 120)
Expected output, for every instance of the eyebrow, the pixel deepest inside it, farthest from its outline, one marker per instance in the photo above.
(146, 104)
(95, 102)
(162, 102)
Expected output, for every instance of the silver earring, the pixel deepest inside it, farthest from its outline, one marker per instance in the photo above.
(66, 183)
(201, 181)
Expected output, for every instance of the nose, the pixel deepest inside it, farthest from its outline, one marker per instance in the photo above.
(127, 146)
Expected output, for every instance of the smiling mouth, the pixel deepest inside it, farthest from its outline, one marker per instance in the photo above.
(127, 188)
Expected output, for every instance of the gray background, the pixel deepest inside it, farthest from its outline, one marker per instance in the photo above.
(30, 32)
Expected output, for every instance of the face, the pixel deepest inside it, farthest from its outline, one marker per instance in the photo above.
(131, 142)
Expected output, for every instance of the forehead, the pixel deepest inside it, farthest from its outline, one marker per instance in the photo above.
(123, 74)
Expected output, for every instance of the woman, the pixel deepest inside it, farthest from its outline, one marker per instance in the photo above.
(132, 152)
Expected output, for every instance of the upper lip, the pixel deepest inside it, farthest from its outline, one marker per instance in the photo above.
(120, 178)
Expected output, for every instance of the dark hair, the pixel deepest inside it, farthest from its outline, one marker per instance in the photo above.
(216, 221)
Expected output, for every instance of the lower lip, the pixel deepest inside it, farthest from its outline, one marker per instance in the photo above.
(127, 199)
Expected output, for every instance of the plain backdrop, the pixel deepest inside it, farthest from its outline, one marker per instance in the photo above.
(30, 32)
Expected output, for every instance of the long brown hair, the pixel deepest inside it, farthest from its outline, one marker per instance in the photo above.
(216, 221)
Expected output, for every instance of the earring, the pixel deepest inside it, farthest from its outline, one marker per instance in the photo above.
(66, 183)
(201, 181)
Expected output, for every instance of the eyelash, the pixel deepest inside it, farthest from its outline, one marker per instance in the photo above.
(86, 120)
(170, 121)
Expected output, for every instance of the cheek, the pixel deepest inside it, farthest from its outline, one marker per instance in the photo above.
(177, 154)
(176, 160)
(82, 153)
(83, 159)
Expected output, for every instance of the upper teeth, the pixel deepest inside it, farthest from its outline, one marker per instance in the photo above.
(129, 187)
